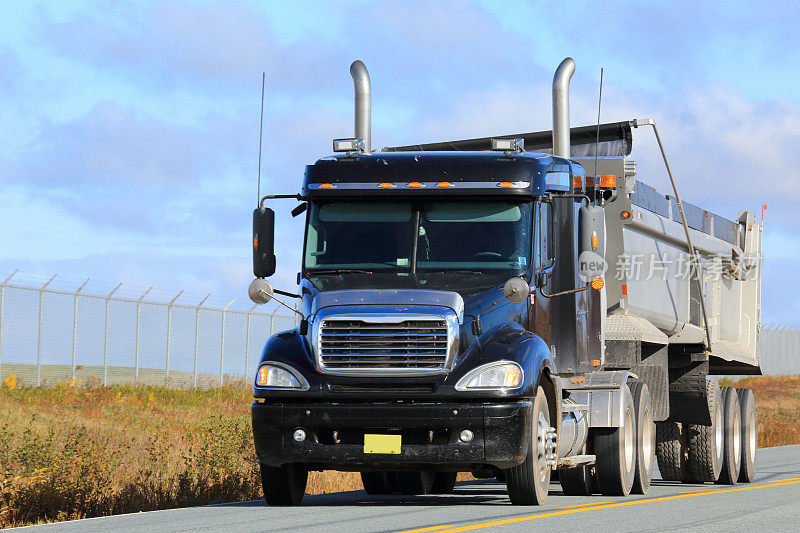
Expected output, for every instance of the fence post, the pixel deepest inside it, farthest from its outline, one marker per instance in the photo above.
(2, 312)
(247, 342)
(196, 336)
(138, 317)
(105, 335)
(272, 320)
(169, 334)
(39, 332)
(75, 328)
(222, 341)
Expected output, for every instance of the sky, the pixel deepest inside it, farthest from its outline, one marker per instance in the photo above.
(129, 130)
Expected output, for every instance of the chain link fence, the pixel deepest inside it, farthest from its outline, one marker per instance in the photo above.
(54, 328)
(780, 350)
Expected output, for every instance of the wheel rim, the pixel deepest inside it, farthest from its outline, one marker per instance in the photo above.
(752, 436)
(541, 445)
(629, 444)
(719, 431)
(648, 437)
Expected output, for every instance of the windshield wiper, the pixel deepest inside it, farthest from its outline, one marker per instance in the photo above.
(336, 271)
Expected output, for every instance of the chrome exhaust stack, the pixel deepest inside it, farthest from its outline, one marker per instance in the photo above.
(363, 121)
(561, 81)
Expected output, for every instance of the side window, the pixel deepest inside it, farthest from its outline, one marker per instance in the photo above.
(544, 239)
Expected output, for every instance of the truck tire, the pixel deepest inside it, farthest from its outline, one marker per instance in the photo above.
(444, 482)
(284, 485)
(706, 443)
(615, 449)
(529, 482)
(415, 482)
(645, 437)
(732, 448)
(671, 451)
(577, 481)
(376, 483)
(749, 426)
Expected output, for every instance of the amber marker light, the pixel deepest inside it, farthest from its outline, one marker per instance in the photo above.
(595, 362)
(513, 377)
(594, 240)
(415, 184)
(444, 184)
(505, 184)
(625, 215)
(255, 240)
(326, 186)
(263, 375)
(386, 185)
(608, 180)
(597, 284)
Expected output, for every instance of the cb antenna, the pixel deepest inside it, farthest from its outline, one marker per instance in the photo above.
(597, 140)
(260, 134)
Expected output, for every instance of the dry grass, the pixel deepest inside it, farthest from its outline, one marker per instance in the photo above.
(778, 401)
(71, 452)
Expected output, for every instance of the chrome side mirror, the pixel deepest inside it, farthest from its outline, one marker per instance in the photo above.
(516, 290)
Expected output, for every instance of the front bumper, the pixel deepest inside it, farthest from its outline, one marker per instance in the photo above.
(430, 434)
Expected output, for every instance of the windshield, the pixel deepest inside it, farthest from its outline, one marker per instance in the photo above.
(436, 242)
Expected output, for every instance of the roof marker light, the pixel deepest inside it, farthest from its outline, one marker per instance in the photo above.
(509, 145)
(444, 184)
(415, 184)
(505, 184)
(386, 185)
(349, 145)
(326, 186)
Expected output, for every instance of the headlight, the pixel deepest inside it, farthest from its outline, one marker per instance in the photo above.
(493, 376)
(279, 376)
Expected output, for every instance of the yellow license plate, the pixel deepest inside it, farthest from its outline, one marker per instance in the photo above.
(382, 443)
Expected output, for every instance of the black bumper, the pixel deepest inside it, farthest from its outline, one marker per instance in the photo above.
(430, 434)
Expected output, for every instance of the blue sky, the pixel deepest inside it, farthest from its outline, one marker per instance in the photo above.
(129, 130)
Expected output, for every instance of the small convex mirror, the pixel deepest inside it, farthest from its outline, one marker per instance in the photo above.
(260, 291)
(516, 290)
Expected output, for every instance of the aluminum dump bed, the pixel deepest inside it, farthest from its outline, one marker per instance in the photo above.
(649, 268)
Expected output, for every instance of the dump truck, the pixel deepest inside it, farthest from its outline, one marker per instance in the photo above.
(521, 307)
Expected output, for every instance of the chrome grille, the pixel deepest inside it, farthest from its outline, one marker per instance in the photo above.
(414, 344)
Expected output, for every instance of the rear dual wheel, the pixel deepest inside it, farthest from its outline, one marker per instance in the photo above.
(706, 443)
(749, 434)
(645, 438)
(732, 448)
(615, 449)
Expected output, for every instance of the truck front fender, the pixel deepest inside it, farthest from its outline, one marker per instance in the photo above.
(507, 342)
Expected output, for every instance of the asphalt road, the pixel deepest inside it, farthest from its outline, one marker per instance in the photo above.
(771, 503)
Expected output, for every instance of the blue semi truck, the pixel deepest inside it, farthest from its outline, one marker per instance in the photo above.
(470, 306)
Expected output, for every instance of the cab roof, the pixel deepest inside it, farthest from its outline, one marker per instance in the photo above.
(440, 172)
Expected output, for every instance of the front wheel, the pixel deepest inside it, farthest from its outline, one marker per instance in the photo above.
(284, 485)
(529, 482)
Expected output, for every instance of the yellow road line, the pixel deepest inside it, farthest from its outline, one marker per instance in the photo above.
(695, 491)
(583, 505)
(609, 506)
(431, 528)
(787, 479)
